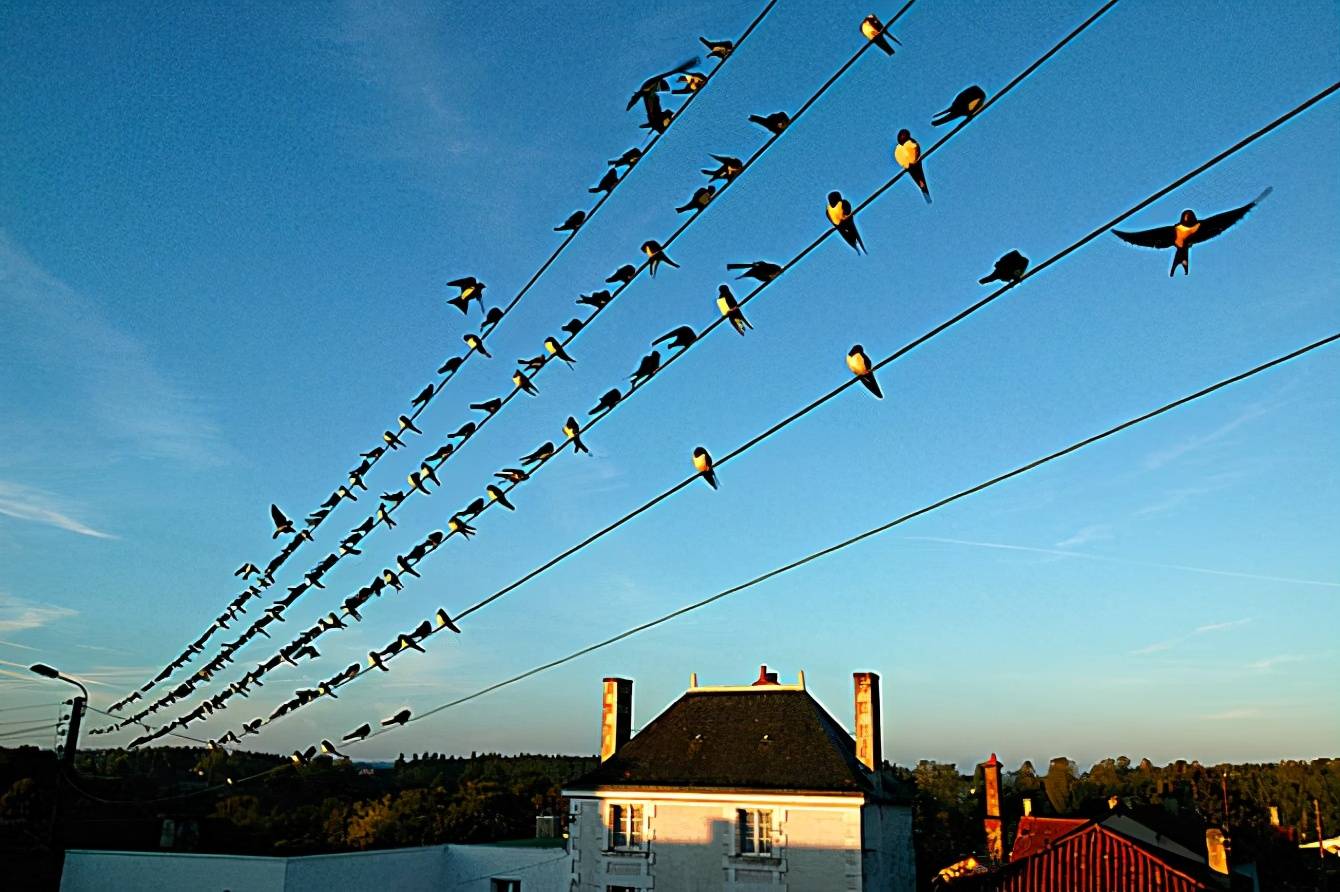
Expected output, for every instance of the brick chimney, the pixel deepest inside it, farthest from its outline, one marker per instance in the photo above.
(995, 834)
(616, 716)
(868, 748)
(765, 677)
(1215, 852)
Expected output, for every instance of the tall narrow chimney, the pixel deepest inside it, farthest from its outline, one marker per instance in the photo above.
(868, 748)
(1215, 852)
(995, 836)
(616, 716)
(1028, 806)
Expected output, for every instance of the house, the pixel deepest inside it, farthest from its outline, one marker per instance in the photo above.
(739, 787)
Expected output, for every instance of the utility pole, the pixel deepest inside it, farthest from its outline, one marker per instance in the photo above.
(66, 761)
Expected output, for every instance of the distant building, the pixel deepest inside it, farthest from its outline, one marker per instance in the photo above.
(738, 787)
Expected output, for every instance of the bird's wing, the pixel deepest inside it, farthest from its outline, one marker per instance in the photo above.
(278, 516)
(1160, 237)
(1212, 226)
(460, 283)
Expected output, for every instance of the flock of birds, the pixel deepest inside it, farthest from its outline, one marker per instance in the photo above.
(1009, 270)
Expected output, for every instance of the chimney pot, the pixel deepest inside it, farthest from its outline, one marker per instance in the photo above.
(616, 716)
(868, 744)
(765, 677)
(1215, 852)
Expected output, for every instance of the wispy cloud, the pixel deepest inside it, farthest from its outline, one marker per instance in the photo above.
(1093, 533)
(17, 615)
(1161, 646)
(30, 504)
(1170, 454)
(17, 645)
(1233, 715)
(1271, 662)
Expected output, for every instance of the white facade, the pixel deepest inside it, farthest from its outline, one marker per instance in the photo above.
(692, 841)
(458, 867)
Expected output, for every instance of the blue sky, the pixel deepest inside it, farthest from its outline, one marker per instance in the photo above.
(223, 243)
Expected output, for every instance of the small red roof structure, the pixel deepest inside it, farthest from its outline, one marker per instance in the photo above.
(1035, 834)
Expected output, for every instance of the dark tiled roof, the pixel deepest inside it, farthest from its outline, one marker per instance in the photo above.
(757, 740)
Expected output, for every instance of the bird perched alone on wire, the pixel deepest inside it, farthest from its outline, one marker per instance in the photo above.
(444, 621)
(573, 223)
(728, 168)
(718, 49)
(1189, 230)
(863, 369)
(908, 155)
(398, 719)
(761, 270)
(774, 123)
(730, 308)
(281, 521)
(1009, 268)
(844, 221)
(873, 30)
(470, 289)
(656, 256)
(702, 463)
(965, 105)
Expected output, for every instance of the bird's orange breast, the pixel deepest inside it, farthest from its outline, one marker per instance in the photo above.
(1183, 233)
(869, 30)
(907, 153)
(724, 305)
(835, 214)
(856, 362)
(700, 463)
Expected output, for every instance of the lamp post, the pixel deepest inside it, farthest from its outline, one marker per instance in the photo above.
(67, 757)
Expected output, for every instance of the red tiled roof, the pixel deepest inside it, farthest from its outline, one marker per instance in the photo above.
(1035, 834)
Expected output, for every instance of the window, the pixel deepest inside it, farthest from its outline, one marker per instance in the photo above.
(625, 826)
(505, 886)
(754, 828)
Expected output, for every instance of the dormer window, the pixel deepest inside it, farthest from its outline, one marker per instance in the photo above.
(753, 828)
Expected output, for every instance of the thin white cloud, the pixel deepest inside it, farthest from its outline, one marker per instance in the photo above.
(1094, 533)
(1219, 627)
(1160, 646)
(1271, 662)
(36, 506)
(17, 615)
(17, 645)
(1233, 715)
(1168, 455)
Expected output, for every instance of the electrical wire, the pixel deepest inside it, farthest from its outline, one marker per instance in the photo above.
(535, 277)
(833, 79)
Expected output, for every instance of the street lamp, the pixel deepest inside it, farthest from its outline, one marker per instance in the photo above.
(76, 707)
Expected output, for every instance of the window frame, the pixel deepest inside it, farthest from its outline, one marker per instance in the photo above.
(749, 829)
(627, 820)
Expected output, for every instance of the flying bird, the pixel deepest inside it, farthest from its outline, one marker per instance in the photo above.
(608, 401)
(497, 495)
(863, 369)
(774, 123)
(908, 155)
(873, 30)
(607, 182)
(656, 256)
(623, 275)
(1009, 268)
(1189, 230)
(246, 570)
(965, 105)
(398, 719)
(474, 343)
(358, 733)
(761, 270)
(282, 523)
(658, 83)
(728, 168)
(702, 197)
(720, 49)
(595, 299)
(649, 366)
(555, 348)
(543, 453)
(573, 223)
(522, 382)
(424, 396)
(470, 289)
(730, 308)
(573, 431)
(842, 218)
(679, 338)
(702, 463)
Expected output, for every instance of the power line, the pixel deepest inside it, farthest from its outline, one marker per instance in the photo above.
(668, 242)
(535, 277)
(882, 528)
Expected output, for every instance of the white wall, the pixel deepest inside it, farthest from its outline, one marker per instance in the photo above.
(89, 871)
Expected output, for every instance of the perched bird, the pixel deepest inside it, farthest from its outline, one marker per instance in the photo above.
(406, 642)
(658, 83)
(701, 198)
(965, 105)
(407, 424)
(464, 431)
(375, 659)
(522, 382)
(457, 525)
(512, 475)
(474, 343)
(1189, 230)
(681, 337)
(623, 275)
(444, 621)
(246, 570)
(416, 482)
(373, 455)
(702, 463)
(720, 49)
(332, 622)
(404, 566)
(282, 523)
(1009, 268)
(422, 630)
(542, 454)
(658, 120)
(474, 509)
(470, 289)
(493, 316)
(572, 326)
(595, 299)
(398, 719)
(442, 453)
(656, 256)
(761, 270)
(497, 495)
(608, 401)
(424, 396)
(873, 29)
(451, 365)
(392, 440)
(649, 366)
(607, 182)
(690, 82)
(908, 155)
(863, 369)
(554, 348)
(774, 123)
(729, 308)
(573, 431)
(628, 158)
(358, 733)
(573, 223)
(728, 168)
(840, 215)
(488, 407)
(329, 749)
(393, 580)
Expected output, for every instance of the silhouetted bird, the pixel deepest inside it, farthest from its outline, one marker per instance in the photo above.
(424, 396)
(572, 326)
(624, 274)
(523, 383)
(499, 496)
(543, 453)
(493, 317)
(649, 366)
(407, 424)
(719, 49)
(728, 168)
(908, 155)
(246, 570)
(282, 523)
(329, 749)
(474, 509)
(690, 82)
(554, 348)
(358, 733)
(573, 223)
(1189, 230)
(470, 289)
(375, 659)
(730, 308)
(873, 30)
(840, 215)
(702, 463)
(512, 475)
(761, 270)
(681, 337)
(608, 401)
(464, 431)
(1009, 268)
(451, 365)
(444, 621)
(656, 256)
(474, 343)
(607, 182)
(392, 440)
(457, 525)
(573, 431)
(965, 105)
(774, 123)
(398, 719)
(701, 198)
(628, 158)
(595, 299)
